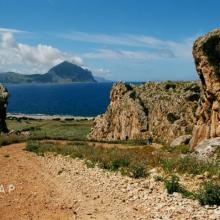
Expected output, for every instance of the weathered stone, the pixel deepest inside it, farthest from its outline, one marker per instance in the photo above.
(3, 105)
(207, 148)
(184, 139)
(161, 110)
(206, 52)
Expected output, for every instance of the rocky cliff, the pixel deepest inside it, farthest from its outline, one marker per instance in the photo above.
(162, 110)
(3, 104)
(206, 52)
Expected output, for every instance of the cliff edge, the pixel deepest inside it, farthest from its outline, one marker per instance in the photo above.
(161, 110)
(206, 52)
(3, 105)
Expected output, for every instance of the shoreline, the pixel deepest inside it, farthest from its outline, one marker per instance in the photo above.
(48, 117)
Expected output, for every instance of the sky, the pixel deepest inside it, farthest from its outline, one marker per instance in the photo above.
(128, 40)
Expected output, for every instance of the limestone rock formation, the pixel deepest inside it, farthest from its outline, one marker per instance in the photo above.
(161, 110)
(3, 104)
(207, 148)
(206, 52)
(184, 139)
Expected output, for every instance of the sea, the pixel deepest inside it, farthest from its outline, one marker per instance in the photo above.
(75, 99)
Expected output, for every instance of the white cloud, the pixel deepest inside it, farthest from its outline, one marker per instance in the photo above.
(180, 49)
(101, 72)
(126, 54)
(29, 59)
(8, 30)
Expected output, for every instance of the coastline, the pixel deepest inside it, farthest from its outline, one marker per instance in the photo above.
(47, 117)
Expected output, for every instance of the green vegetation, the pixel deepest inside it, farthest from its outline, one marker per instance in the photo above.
(209, 194)
(51, 129)
(113, 159)
(133, 95)
(172, 185)
(138, 171)
(11, 139)
(170, 85)
(189, 165)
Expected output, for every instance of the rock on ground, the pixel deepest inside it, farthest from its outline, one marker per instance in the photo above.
(207, 148)
(184, 139)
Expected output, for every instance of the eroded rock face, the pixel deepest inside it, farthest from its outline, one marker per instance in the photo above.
(207, 148)
(206, 52)
(3, 105)
(164, 111)
(125, 117)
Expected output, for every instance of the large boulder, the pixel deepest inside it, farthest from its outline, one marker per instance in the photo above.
(184, 139)
(206, 52)
(207, 148)
(161, 110)
(3, 105)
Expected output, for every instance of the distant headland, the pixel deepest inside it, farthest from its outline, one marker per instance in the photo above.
(64, 72)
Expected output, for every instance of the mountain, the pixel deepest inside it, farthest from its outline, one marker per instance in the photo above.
(64, 72)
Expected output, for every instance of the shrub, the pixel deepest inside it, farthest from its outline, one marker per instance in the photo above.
(172, 185)
(193, 97)
(209, 194)
(138, 171)
(133, 95)
(189, 165)
(170, 85)
(115, 164)
(33, 147)
(183, 149)
(11, 139)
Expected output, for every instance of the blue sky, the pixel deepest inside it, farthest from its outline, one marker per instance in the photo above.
(129, 40)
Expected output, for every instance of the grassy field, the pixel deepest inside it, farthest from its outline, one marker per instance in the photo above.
(52, 129)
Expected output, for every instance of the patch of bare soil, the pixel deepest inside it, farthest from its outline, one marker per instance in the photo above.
(26, 189)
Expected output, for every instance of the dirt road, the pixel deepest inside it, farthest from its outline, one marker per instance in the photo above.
(27, 191)
(57, 187)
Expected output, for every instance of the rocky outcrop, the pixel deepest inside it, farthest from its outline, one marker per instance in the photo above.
(161, 110)
(184, 139)
(3, 104)
(207, 148)
(206, 52)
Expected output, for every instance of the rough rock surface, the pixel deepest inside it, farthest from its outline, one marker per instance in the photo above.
(184, 139)
(207, 148)
(162, 110)
(3, 104)
(206, 52)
